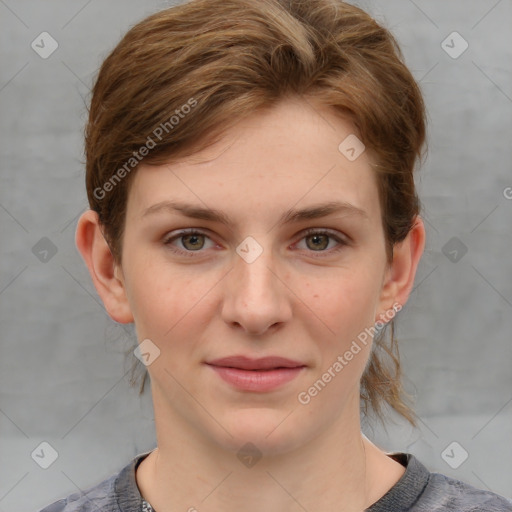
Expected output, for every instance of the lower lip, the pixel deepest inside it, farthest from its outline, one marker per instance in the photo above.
(257, 380)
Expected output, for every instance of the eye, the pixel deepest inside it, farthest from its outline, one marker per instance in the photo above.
(319, 240)
(190, 240)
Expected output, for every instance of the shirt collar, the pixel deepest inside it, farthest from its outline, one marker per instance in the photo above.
(406, 492)
(126, 490)
(401, 496)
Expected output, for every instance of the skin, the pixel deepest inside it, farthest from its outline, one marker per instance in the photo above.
(301, 299)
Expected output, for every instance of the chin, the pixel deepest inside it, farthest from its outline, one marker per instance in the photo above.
(267, 431)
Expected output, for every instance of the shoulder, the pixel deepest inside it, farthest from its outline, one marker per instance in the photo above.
(99, 497)
(117, 493)
(445, 493)
(419, 490)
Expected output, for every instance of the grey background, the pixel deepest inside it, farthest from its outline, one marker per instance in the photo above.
(63, 373)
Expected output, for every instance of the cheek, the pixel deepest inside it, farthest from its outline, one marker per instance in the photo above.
(345, 306)
(345, 301)
(166, 301)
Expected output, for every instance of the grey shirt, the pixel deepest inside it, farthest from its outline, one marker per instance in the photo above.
(418, 490)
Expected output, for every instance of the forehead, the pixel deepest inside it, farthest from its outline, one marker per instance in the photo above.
(296, 153)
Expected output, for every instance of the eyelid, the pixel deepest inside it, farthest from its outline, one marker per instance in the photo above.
(326, 231)
(341, 240)
(170, 237)
(184, 232)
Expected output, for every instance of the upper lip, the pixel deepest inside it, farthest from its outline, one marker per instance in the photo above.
(264, 363)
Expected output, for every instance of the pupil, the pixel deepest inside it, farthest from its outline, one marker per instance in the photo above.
(317, 238)
(193, 239)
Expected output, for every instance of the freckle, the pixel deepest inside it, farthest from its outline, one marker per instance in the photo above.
(315, 296)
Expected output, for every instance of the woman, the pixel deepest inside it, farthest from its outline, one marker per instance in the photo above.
(253, 213)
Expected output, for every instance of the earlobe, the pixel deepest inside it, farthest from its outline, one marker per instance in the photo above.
(401, 272)
(105, 273)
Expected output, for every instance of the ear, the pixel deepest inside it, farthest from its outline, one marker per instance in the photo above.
(106, 274)
(400, 274)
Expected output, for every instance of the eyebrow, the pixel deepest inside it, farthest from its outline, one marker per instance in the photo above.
(315, 211)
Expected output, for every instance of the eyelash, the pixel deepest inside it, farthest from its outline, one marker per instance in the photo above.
(305, 234)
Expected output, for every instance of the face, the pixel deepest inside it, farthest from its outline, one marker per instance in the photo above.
(272, 274)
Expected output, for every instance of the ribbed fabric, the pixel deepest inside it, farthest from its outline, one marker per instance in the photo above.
(418, 490)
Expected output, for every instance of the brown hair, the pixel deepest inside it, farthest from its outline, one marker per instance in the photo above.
(181, 77)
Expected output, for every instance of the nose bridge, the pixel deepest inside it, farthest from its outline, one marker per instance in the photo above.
(255, 298)
(255, 268)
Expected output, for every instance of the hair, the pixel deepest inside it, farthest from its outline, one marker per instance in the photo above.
(183, 76)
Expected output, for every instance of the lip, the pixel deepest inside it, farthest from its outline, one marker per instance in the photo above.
(263, 363)
(257, 375)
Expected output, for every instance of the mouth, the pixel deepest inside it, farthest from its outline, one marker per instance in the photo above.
(256, 375)
(262, 364)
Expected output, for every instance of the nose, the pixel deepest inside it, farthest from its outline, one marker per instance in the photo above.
(256, 297)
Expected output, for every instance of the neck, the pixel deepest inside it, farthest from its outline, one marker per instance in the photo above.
(333, 471)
